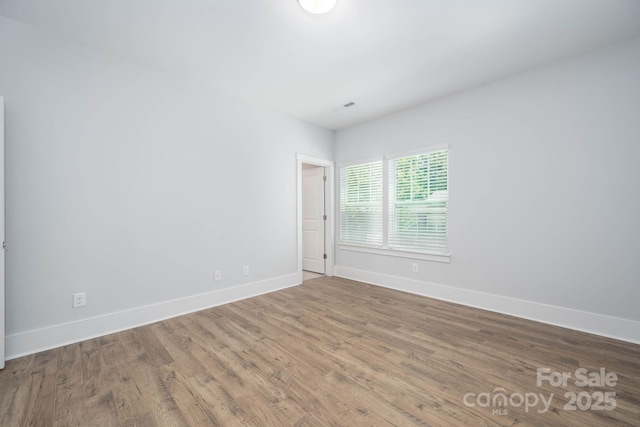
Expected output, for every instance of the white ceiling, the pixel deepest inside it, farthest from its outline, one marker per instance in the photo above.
(385, 55)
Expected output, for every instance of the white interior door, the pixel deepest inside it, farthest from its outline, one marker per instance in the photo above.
(2, 353)
(313, 238)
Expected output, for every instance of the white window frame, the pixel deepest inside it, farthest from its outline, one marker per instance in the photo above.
(384, 249)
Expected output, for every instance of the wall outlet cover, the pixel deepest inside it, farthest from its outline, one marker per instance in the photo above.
(79, 299)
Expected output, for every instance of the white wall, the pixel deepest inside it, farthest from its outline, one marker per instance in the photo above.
(133, 185)
(544, 193)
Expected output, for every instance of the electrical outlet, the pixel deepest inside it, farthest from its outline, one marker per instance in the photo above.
(414, 267)
(79, 300)
(217, 275)
(245, 270)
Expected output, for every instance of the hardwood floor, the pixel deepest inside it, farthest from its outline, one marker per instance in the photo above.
(309, 275)
(331, 352)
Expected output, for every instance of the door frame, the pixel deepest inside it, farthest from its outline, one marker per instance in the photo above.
(329, 228)
(2, 236)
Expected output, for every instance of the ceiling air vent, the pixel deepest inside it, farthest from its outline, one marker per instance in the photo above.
(343, 106)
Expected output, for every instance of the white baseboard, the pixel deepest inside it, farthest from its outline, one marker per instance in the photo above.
(608, 326)
(29, 342)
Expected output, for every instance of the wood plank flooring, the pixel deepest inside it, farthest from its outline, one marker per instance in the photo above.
(332, 352)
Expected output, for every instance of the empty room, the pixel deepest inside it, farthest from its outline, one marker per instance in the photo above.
(320, 213)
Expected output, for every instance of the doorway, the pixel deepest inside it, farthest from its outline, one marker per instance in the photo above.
(315, 217)
(2, 231)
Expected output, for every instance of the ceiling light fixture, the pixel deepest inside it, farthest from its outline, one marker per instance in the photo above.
(317, 6)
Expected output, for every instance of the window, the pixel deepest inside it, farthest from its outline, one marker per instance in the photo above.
(404, 209)
(361, 204)
(418, 198)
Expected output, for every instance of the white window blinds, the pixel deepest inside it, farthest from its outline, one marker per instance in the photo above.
(361, 206)
(418, 202)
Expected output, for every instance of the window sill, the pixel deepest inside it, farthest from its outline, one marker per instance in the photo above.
(397, 253)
